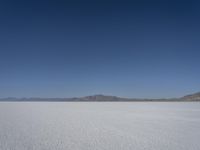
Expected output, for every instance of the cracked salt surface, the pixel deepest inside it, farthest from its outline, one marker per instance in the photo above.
(99, 126)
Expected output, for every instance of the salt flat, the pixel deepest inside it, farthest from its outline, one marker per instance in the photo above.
(99, 126)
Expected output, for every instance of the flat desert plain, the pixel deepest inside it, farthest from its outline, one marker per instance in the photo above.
(99, 126)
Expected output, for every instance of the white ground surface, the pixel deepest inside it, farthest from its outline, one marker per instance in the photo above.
(99, 126)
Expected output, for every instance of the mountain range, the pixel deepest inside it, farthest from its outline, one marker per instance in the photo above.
(193, 97)
(105, 98)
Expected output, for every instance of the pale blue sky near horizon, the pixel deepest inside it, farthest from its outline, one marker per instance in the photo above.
(135, 48)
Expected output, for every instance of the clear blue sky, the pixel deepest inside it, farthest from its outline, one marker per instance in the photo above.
(77, 48)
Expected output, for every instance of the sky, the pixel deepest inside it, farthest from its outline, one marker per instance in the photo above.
(138, 48)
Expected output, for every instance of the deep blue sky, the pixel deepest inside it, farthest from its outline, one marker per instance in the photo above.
(77, 48)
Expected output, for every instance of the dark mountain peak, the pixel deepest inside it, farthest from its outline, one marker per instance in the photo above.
(101, 97)
(195, 96)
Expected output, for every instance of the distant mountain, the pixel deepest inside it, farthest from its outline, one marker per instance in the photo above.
(192, 97)
(103, 98)
(115, 98)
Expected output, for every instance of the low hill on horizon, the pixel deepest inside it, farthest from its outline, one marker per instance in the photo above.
(193, 97)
